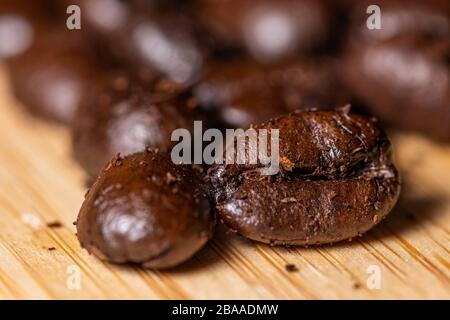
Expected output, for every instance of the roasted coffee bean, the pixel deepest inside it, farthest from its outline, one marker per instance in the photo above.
(126, 116)
(144, 209)
(402, 71)
(164, 44)
(242, 92)
(158, 41)
(336, 181)
(52, 74)
(51, 81)
(20, 22)
(270, 30)
(404, 83)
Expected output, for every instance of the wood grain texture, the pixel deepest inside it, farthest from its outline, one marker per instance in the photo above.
(40, 183)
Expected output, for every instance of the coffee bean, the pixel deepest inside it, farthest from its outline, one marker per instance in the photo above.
(127, 119)
(52, 83)
(20, 22)
(241, 92)
(340, 175)
(143, 222)
(401, 71)
(268, 30)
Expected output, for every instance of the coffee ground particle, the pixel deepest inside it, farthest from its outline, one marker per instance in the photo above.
(291, 267)
(51, 248)
(54, 224)
(356, 286)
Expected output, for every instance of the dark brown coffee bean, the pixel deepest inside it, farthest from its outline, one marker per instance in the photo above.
(20, 23)
(53, 74)
(269, 30)
(402, 72)
(336, 181)
(406, 84)
(144, 209)
(52, 81)
(242, 92)
(164, 44)
(126, 116)
(144, 36)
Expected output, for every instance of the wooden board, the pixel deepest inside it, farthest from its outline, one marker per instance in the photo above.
(40, 183)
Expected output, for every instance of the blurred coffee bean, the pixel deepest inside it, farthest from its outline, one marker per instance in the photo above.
(241, 92)
(126, 116)
(54, 75)
(270, 30)
(20, 22)
(160, 41)
(402, 71)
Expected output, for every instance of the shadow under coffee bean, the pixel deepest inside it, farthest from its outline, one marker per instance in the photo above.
(336, 181)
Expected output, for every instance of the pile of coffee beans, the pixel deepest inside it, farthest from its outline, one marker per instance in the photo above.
(124, 75)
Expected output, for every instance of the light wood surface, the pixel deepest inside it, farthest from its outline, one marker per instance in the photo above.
(40, 183)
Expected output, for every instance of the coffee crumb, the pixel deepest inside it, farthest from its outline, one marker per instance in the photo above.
(198, 168)
(192, 103)
(288, 200)
(356, 286)
(51, 248)
(286, 164)
(345, 109)
(291, 267)
(170, 178)
(54, 224)
(230, 231)
(375, 218)
(332, 195)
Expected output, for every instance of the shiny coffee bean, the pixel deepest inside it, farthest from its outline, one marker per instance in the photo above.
(405, 83)
(241, 92)
(336, 181)
(144, 36)
(143, 209)
(126, 116)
